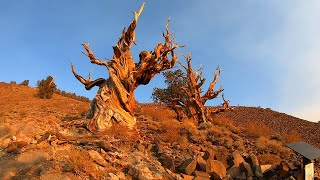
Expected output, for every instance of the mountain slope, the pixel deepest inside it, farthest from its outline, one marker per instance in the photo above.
(278, 122)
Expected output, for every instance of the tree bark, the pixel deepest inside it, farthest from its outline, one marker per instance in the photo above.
(194, 106)
(115, 101)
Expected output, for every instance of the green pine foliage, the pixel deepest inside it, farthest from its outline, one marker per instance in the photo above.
(46, 88)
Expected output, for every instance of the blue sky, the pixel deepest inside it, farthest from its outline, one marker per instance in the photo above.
(268, 50)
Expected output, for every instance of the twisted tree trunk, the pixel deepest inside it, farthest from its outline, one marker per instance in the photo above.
(115, 101)
(194, 105)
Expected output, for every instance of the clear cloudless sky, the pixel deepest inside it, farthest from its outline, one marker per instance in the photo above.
(269, 51)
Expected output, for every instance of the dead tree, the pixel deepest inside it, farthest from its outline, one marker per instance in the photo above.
(115, 101)
(193, 106)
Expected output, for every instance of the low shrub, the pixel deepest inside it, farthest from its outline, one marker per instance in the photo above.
(292, 137)
(227, 123)
(265, 145)
(269, 159)
(257, 130)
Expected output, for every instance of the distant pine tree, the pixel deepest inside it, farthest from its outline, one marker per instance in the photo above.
(25, 83)
(46, 88)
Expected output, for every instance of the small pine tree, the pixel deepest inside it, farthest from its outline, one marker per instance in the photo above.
(46, 88)
(25, 83)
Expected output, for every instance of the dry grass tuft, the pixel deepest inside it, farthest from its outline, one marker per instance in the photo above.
(265, 145)
(222, 121)
(292, 137)
(269, 159)
(257, 130)
(81, 165)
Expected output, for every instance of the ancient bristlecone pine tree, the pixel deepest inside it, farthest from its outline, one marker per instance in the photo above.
(189, 101)
(115, 101)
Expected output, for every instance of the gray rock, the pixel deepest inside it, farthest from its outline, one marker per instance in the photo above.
(188, 166)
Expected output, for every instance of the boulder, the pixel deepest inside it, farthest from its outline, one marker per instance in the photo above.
(142, 172)
(201, 164)
(187, 177)
(267, 167)
(112, 176)
(245, 167)
(241, 176)
(253, 161)
(188, 166)
(257, 171)
(168, 163)
(237, 158)
(5, 143)
(200, 175)
(97, 158)
(234, 172)
(269, 175)
(222, 158)
(216, 169)
(16, 146)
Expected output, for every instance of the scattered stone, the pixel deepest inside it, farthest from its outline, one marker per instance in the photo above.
(112, 176)
(53, 176)
(234, 172)
(140, 147)
(13, 138)
(105, 146)
(292, 166)
(200, 175)
(269, 175)
(33, 141)
(299, 175)
(222, 158)
(168, 163)
(241, 176)
(216, 169)
(253, 161)
(121, 175)
(267, 167)
(187, 177)
(209, 154)
(5, 143)
(188, 166)
(16, 146)
(141, 171)
(245, 167)
(237, 158)
(257, 171)
(290, 178)
(96, 157)
(201, 164)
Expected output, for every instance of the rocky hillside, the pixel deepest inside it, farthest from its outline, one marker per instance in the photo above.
(47, 139)
(279, 122)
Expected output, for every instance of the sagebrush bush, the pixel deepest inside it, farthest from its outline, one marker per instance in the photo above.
(46, 88)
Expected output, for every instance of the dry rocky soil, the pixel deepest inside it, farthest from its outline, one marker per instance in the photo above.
(47, 139)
